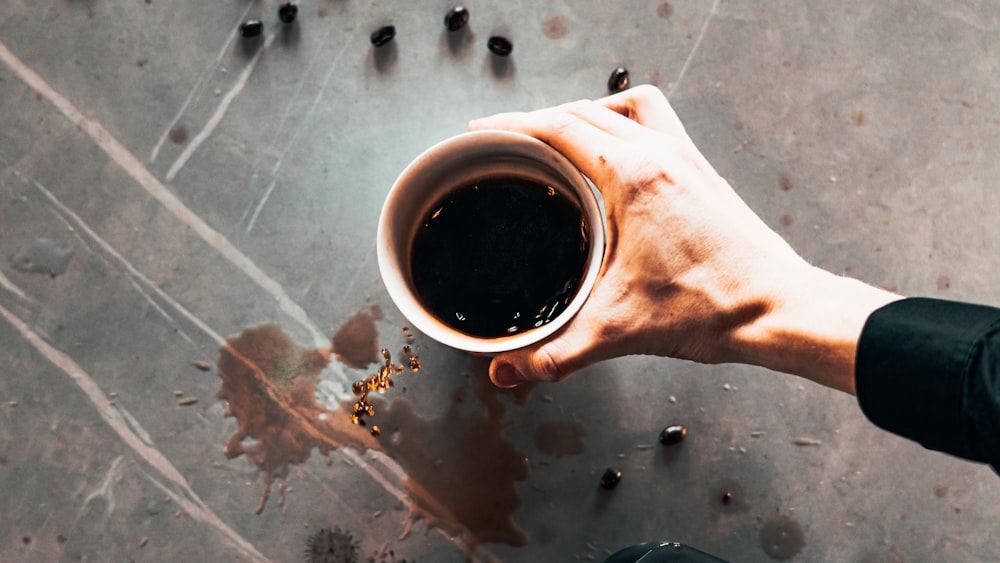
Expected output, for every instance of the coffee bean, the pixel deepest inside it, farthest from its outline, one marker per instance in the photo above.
(618, 80)
(251, 28)
(383, 35)
(500, 46)
(610, 479)
(288, 11)
(456, 18)
(673, 435)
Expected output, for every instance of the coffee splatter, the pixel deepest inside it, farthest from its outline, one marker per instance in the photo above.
(554, 27)
(665, 10)
(460, 473)
(42, 256)
(560, 437)
(331, 546)
(356, 341)
(269, 383)
(860, 118)
(782, 537)
(941, 491)
(178, 134)
(787, 220)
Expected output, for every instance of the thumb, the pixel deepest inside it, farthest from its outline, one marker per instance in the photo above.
(553, 359)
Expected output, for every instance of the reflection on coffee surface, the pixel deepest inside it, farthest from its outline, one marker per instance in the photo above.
(500, 256)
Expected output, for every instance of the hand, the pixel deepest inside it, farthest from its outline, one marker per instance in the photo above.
(689, 270)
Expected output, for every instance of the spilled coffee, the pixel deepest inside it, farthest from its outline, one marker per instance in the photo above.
(500, 256)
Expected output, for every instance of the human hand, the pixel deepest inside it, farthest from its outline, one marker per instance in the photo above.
(689, 270)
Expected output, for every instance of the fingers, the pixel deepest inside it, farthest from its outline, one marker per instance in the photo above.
(646, 105)
(554, 359)
(587, 145)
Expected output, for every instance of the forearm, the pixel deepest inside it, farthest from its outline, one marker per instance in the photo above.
(812, 328)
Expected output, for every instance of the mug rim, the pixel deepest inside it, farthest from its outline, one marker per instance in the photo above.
(390, 265)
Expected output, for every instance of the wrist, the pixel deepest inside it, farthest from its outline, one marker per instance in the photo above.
(812, 326)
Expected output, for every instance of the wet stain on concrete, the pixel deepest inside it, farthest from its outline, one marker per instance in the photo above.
(782, 537)
(42, 256)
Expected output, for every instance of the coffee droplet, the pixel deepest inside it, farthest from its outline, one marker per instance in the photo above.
(673, 435)
(727, 497)
(610, 479)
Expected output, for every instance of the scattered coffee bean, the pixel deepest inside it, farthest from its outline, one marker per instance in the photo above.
(251, 28)
(673, 435)
(618, 80)
(383, 35)
(500, 46)
(456, 18)
(610, 479)
(288, 11)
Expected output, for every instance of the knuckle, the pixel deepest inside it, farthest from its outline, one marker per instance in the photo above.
(545, 366)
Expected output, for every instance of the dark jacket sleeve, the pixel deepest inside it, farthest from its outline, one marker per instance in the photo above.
(929, 370)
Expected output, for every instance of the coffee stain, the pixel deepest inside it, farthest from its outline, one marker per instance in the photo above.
(460, 472)
(42, 256)
(554, 27)
(356, 341)
(943, 283)
(560, 437)
(782, 537)
(665, 10)
(178, 134)
(787, 183)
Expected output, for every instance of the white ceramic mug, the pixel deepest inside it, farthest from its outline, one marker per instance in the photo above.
(458, 161)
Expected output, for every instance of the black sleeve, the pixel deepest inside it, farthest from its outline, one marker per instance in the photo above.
(929, 370)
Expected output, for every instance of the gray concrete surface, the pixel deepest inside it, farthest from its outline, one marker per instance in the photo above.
(167, 185)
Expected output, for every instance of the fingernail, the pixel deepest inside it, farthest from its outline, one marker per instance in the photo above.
(504, 375)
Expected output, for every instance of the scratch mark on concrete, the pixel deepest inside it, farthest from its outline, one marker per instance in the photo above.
(209, 70)
(291, 142)
(697, 42)
(220, 111)
(121, 155)
(208, 517)
(104, 491)
(135, 426)
(9, 286)
(114, 419)
(132, 271)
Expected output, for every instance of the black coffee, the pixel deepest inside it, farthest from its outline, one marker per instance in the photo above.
(500, 256)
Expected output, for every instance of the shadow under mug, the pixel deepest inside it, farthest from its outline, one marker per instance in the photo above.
(459, 161)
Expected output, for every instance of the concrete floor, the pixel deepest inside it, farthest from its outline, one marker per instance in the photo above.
(167, 185)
